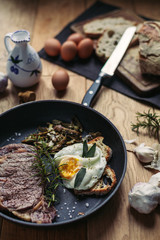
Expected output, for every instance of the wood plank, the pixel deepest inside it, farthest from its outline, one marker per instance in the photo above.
(117, 212)
(147, 8)
(1, 222)
(45, 90)
(118, 208)
(70, 231)
(52, 27)
(57, 15)
(13, 18)
(116, 220)
(122, 3)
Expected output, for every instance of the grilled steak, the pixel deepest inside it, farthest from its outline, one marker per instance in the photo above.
(20, 190)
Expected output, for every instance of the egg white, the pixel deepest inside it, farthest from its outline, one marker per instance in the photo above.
(94, 165)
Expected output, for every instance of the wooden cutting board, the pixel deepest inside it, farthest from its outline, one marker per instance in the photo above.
(130, 72)
(129, 68)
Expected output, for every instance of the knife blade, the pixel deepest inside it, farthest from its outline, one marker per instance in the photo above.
(110, 66)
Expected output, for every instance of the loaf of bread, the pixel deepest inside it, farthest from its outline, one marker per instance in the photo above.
(95, 28)
(108, 179)
(149, 47)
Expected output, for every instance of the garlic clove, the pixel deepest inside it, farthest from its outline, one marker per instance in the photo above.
(3, 82)
(143, 197)
(144, 153)
(155, 164)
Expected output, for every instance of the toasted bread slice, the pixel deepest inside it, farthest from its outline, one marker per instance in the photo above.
(106, 150)
(108, 179)
(103, 186)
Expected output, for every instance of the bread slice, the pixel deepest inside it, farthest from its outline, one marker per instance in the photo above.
(96, 27)
(109, 40)
(106, 150)
(149, 47)
(101, 187)
(108, 179)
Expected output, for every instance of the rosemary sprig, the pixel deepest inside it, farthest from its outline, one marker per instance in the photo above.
(47, 171)
(149, 121)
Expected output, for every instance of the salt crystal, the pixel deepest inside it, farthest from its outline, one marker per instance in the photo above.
(87, 204)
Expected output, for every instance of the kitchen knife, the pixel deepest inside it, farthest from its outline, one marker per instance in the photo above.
(110, 66)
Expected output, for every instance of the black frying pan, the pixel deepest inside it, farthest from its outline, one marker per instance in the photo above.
(24, 119)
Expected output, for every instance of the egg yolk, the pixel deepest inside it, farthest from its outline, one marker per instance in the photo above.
(68, 167)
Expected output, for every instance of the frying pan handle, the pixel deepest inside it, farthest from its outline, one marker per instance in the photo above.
(92, 91)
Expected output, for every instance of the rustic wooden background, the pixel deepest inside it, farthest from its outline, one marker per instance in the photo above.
(44, 19)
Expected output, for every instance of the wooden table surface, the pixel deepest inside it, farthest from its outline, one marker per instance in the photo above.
(116, 220)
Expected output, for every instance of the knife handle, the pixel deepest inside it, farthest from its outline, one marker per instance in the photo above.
(92, 91)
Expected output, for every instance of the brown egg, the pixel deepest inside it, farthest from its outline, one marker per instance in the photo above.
(75, 37)
(85, 48)
(52, 47)
(68, 51)
(60, 80)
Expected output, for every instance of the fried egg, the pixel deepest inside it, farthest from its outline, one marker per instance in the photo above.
(69, 161)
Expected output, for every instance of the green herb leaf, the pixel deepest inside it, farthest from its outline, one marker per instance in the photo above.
(91, 151)
(149, 121)
(79, 177)
(85, 148)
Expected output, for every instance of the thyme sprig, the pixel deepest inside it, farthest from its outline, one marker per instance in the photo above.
(47, 171)
(149, 121)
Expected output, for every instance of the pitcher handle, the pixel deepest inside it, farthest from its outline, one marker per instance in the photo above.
(7, 43)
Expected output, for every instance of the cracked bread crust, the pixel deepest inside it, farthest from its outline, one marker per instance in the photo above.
(149, 47)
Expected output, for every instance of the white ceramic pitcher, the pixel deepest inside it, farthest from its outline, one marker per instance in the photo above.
(24, 65)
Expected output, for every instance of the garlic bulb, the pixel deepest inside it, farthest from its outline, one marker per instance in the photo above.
(3, 82)
(143, 197)
(155, 181)
(144, 153)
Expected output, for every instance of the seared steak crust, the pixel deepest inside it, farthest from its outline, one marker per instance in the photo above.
(20, 189)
